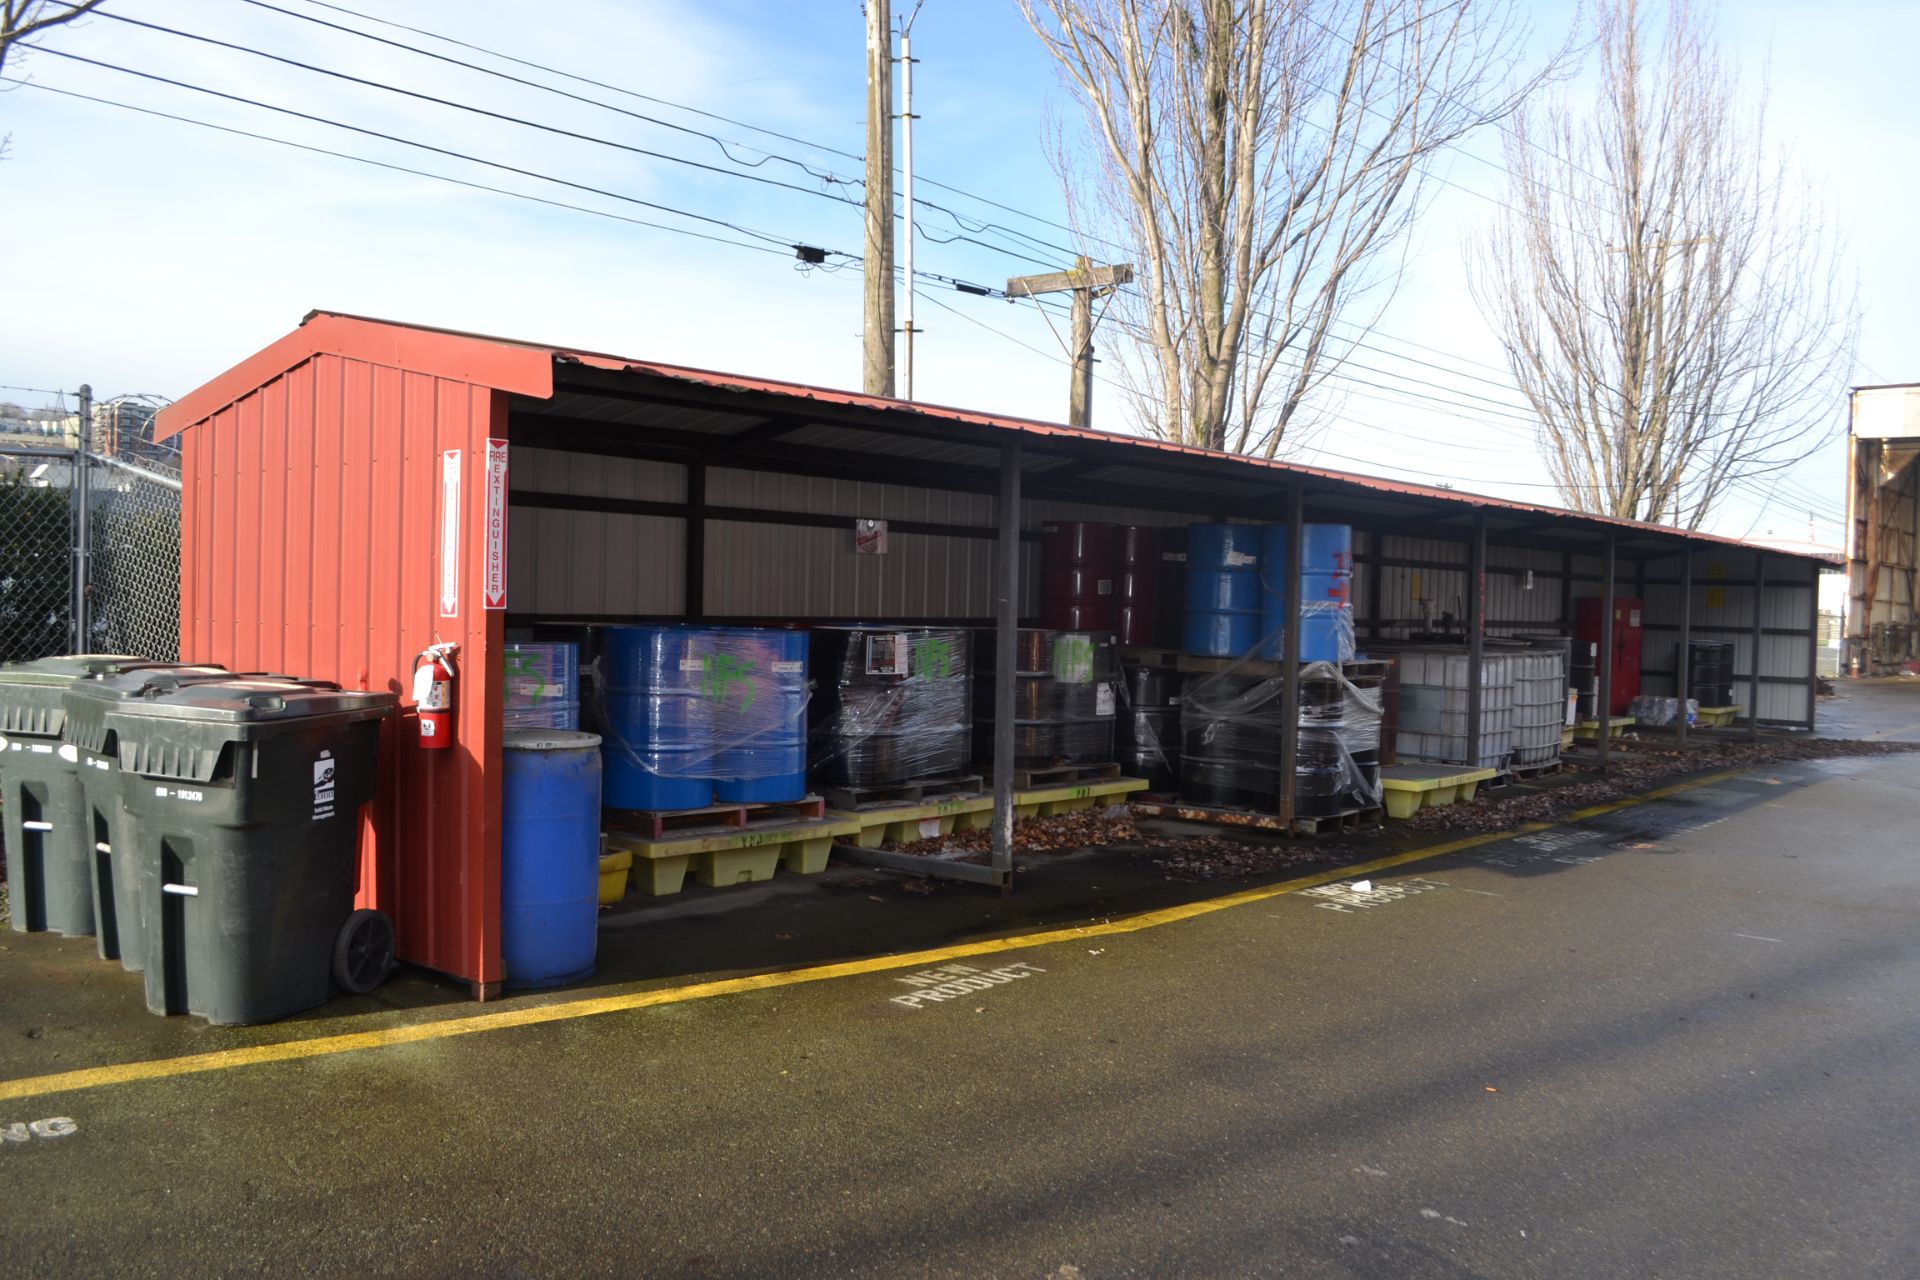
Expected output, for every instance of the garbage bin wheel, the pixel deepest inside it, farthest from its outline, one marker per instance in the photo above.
(363, 955)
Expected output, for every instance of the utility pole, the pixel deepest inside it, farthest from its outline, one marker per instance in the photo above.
(83, 490)
(1085, 282)
(876, 366)
(906, 194)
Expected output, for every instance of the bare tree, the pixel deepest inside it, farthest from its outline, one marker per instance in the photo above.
(21, 19)
(1669, 296)
(1264, 159)
(24, 19)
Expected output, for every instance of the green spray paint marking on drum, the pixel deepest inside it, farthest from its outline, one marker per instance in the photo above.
(726, 671)
(933, 657)
(1073, 659)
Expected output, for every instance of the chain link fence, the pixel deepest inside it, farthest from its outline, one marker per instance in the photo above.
(133, 573)
(123, 595)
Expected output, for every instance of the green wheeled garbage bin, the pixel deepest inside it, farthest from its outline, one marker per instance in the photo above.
(245, 797)
(49, 850)
(116, 895)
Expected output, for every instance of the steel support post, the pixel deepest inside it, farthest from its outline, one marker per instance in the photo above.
(1603, 661)
(1813, 626)
(1006, 621)
(1682, 675)
(1476, 634)
(1759, 612)
(1290, 658)
(693, 589)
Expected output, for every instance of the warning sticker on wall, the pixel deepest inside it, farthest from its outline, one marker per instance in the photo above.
(495, 590)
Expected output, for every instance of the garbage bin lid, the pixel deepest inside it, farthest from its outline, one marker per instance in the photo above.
(87, 701)
(255, 700)
(66, 668)
(549, 740)
(149, 682)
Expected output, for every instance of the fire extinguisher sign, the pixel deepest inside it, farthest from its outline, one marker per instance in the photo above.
(450, 533)
(495, 591)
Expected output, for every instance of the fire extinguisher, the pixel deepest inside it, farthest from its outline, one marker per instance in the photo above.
(433, 694)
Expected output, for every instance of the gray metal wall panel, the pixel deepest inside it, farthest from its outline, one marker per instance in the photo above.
(593, 562)
(786, 571)
(769, 492)
(551, 471)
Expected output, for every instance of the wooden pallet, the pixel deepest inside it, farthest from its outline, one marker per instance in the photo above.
(1063, 775)
(1356, 669)
(1588, 730)
(1526, 772)
(1253, 820)
(723, 858)
(854, 798)
(653, 824)
(1408, 788)
(1142, 655)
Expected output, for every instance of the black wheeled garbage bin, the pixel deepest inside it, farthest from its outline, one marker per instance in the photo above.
(116, 894)
(49, 850)
(245, 799)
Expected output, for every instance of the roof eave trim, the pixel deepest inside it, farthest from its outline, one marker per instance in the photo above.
(518, 370)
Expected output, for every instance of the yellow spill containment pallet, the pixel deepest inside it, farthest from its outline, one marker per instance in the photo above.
(723, 858)
(1048, 802)
(923, 820)
(1408, 788)
(1587, 730)
(1719, 717)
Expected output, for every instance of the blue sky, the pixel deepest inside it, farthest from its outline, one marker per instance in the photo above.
(158, 253)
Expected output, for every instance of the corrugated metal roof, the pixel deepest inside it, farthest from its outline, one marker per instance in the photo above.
(1125, 459)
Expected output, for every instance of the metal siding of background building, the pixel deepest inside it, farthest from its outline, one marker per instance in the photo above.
(311, 543)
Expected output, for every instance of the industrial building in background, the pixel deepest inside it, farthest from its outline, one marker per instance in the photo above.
(1883, 515)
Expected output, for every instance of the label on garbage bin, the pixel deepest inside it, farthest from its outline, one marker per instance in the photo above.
(323, 773)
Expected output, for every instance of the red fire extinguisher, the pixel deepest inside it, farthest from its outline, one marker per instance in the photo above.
(433, 694)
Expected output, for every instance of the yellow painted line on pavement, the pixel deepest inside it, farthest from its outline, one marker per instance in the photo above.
(568, 1010)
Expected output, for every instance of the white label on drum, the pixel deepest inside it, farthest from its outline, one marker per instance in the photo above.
(1103, 700)
(1239, 559)
(693, 664)
(788, 668)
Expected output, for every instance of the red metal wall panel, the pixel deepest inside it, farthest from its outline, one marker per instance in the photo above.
(311, 532)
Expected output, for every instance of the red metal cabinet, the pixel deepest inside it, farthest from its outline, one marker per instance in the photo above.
(1626, 645)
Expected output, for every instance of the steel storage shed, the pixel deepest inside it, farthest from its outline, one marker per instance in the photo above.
(362, 489)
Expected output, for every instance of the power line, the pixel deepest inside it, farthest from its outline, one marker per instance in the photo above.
(502, 116)
(698, 111)
(423, 146)
(960, 219)
(396, 168)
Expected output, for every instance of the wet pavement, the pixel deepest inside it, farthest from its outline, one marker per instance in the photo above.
(1672, 1039)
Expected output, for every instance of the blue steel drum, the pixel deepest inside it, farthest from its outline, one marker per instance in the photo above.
(759, 708)
(1220, 635)
(549, 855)
(658, 749)
(1326, 577)
(1223, 589)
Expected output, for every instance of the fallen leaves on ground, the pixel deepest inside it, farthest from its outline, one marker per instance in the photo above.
(1188, 858)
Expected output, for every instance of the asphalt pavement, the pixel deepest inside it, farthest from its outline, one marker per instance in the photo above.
(1676, 1039)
